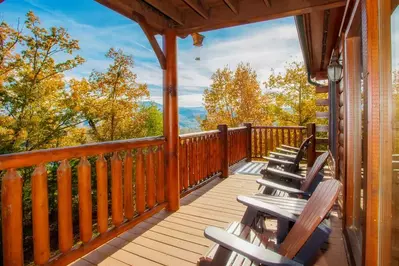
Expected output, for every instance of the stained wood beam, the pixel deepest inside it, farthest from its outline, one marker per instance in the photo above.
(267, 3)
(197, 6)
(126, 8)
(323, 89)
(167, 8)
(253, 11)
(149, 33)
(233, 5)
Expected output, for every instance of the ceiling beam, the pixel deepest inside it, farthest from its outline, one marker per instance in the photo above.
(151, 38)
(126, 8)
(233, 5)
(267, 3)
(253, 11)
(197, 6)
(168, 9)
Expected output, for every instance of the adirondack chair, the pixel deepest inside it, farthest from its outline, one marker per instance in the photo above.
(288, 162)
(281, 183)
(241, 245)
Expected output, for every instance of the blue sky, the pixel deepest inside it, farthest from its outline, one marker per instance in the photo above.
(264, 45)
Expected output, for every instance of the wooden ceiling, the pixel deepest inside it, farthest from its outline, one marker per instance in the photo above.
(189, 16)
(321, 34)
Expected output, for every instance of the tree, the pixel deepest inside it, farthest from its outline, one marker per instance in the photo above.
(110, 101)
(35, 106)
(294, 99)
(233, 98)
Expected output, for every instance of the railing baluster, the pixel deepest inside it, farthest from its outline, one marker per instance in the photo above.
(85, 201)
(64, 198)
(256, 142)
(128, 185)
(266, 142)
(261, 143)
(140, 196)
(40, 223)
(150, 179)
(116, 193)
(102, 194)
(11, 213)
(295, 138)
(289, 137)
(186, 164)
(192, 163)
(161, 176)
(197, 160)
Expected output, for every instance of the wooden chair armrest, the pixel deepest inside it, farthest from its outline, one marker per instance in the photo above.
(290, 147)
(277, 172)
(287, 151)
(287, 189)
(278, 161)
(283, 155)
(266, 208)
(255, 253)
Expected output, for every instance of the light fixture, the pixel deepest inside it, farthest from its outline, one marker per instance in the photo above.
(197, 42)
(334, 70)
(197, 39)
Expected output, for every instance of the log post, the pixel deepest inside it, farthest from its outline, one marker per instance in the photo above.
(249, 141)
(171, 120)
(311, 156)
(224, 150)
(11, 213)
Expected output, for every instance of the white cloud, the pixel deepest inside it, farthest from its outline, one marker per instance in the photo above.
(265, 46)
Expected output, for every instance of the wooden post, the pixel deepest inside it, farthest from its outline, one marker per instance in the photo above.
(171, 121)
(311, 131)
(11, 213)
(224, 150)
(249, 141)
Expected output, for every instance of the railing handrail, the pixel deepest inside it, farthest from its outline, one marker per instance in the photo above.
(198, 134)
(281, 127)
(236, 128)
(31, 158)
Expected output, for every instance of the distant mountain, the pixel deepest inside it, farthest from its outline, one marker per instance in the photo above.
(187, 115)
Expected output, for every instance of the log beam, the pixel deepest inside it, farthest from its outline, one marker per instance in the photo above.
(149, 33)
(126, 8)
(171, 121)
(233, 5)
(197, 6)
(267, 3)
(168, 9)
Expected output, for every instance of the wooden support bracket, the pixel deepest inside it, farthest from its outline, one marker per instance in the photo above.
(148, 31)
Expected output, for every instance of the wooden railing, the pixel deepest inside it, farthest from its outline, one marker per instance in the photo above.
(125, 177)
(268, 138)
(199, 158)
(237, 144)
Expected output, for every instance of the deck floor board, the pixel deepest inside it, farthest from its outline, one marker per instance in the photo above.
(177, 238)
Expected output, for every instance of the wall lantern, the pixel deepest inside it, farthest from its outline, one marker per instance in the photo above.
(334, 71)
(197, 42)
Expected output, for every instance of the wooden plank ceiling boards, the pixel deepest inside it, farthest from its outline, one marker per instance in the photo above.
(189, 16)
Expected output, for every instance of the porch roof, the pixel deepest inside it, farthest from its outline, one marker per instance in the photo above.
(189, 16)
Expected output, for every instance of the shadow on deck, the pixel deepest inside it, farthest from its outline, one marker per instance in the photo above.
(177, 238)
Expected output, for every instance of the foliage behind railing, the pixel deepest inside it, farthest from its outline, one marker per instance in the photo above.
(268, 138)
(124, 178)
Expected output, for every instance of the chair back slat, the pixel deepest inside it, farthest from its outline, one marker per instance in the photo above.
(302, 149)
(316, 168)
(318, 206)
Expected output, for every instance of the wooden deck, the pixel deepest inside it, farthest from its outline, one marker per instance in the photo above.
(177, 238)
